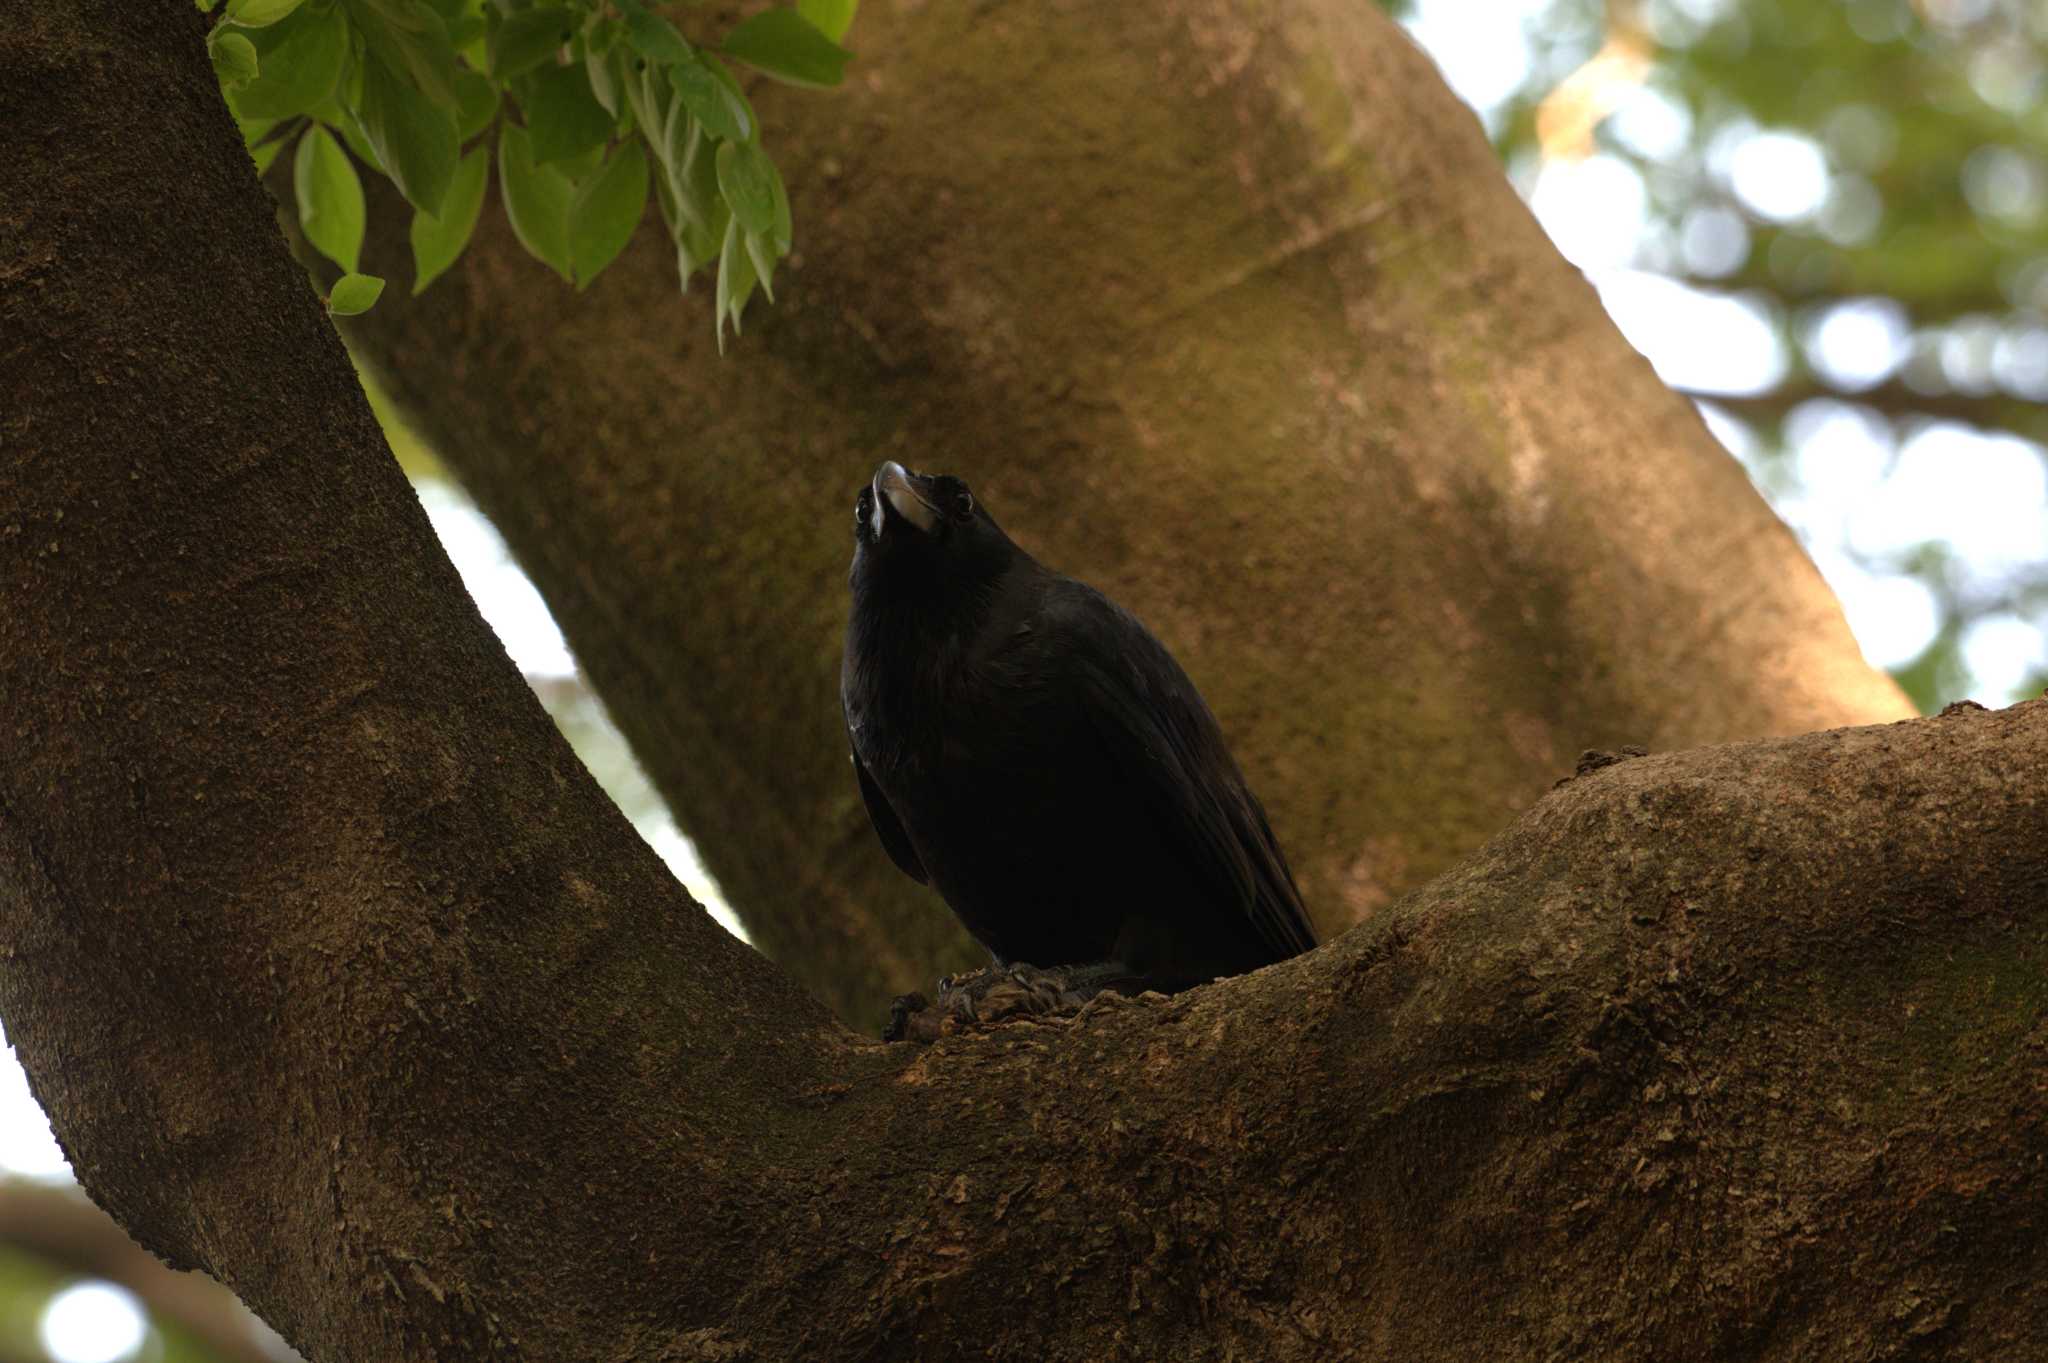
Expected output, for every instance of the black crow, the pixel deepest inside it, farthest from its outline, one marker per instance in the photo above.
(1030, 751)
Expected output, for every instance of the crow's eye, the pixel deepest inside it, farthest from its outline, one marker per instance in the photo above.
(863, 505)
(963, 504)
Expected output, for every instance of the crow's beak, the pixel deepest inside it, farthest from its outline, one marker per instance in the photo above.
(896, 490)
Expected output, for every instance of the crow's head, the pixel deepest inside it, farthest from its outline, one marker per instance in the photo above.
(922, 535)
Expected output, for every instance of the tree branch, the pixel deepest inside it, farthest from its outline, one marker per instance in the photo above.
(1936, 285)
(1894, 400)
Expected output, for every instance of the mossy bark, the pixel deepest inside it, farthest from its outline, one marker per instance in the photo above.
(341, 981)
(1223, 306)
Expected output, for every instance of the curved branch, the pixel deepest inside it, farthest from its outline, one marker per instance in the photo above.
(282, 832)
(1957, 276)
(1895, 401)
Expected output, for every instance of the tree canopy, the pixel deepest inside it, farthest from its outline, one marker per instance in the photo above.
(585, 104)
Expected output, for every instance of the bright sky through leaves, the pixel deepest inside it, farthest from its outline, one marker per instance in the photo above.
(1864, 493)
(94, 1322)
(26, 1146)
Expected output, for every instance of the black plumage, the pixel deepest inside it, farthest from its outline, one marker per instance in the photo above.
(1029, 750)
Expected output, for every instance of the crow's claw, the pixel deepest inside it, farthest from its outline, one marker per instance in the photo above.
(998, 994)
(901, 1013)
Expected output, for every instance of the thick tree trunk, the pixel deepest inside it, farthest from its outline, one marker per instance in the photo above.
(341, 981)
(1224, 306)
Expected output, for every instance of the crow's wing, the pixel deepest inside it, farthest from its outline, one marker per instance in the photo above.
(888, 827)
(1155, 727)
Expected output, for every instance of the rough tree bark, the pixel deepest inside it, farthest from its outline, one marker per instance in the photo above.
(1224, 306)
(342, 981)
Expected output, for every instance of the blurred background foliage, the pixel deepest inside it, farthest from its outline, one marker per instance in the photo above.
(1827, 220)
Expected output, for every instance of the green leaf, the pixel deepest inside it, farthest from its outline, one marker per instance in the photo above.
(537, 200)
(234, 58)
(696, 212)
(438, 241)
(330, 198)
(470, 36)
(832, 17)
(414, 139)
(648, 96)
(782, 230)
(606, 213)
(747, 180)
(302, 58)
(723, 112)
(466, 35)
(750, 126)
(697, 247)
(265, 154)
(686, 264)
(479, 104)
(761, 252)
(354, 293)
(680, 136)
(604, 79)
(564, 118)
(528, 38)
(254, 130)
(698, 199)
(666, 197)
(684, 236)
(652, 36)
(404, 16)
(788, 47)
(735, 281)
(342, 119)
(260, 13)
(580, 167)
(410, 38)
